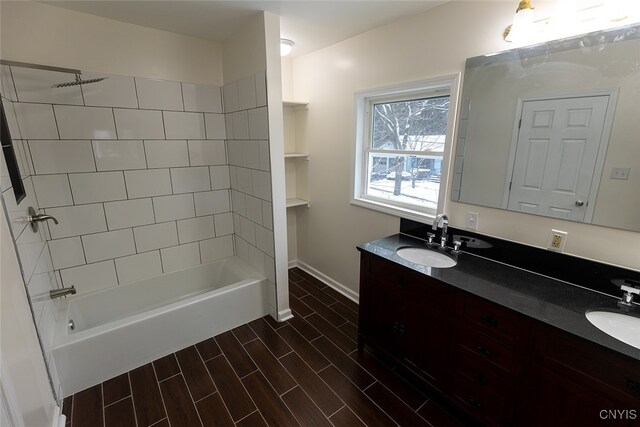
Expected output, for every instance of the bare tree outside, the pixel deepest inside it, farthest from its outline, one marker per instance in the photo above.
(417, 125)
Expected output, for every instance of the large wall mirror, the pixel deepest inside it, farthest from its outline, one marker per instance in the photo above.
(554, 130)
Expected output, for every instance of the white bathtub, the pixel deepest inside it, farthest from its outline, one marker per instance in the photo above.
(121, 328)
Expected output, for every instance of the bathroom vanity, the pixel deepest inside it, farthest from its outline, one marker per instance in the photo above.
(504, 345)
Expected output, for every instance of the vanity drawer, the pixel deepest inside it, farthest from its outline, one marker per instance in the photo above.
(488, 407)
(485, 350)
(485, 375)
(500, 323)
(415, 285)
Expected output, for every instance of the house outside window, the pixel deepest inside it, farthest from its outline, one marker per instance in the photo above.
(403, 145)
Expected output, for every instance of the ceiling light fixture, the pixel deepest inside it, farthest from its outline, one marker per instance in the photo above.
(522, 22)
(286, 46)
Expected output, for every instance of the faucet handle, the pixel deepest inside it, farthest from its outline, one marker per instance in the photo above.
(456, 246)
(430, 237)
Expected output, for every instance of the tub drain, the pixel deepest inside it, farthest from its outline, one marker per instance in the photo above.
(71, 324)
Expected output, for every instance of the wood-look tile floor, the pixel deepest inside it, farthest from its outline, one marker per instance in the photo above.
(303, 372)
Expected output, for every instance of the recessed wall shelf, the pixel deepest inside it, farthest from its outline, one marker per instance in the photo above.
(292, 203)
(296, 156)
(292, 105)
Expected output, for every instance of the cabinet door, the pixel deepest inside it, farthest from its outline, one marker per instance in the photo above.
(551, 400)
(383, 318)
(428, 339)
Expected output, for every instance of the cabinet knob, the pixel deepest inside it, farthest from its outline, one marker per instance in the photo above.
(488, 320)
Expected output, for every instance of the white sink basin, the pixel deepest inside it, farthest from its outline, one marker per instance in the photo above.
(620, 326)
(426, 257)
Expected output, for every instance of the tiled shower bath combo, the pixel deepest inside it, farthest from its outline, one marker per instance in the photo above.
(140, 174)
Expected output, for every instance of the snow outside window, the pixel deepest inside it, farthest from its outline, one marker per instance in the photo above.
(403, 145)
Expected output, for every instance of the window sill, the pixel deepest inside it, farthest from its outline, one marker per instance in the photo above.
(394, 210)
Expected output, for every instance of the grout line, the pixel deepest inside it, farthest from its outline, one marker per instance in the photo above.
(420, 407)
(104, 421)
(117, 401)
(169, 377)
(158, 422)
(166, 413)
(201, 399)
(245, 376)
(133, 402)
(135, 90)
(246, 416)
(340, 409)
(115, 126)
(242, 383)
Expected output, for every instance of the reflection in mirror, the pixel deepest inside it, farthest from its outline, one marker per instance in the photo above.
(554, 130)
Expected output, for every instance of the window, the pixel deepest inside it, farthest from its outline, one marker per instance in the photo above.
(403, 144)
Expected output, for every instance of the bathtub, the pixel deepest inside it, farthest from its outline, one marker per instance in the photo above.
(124, 327)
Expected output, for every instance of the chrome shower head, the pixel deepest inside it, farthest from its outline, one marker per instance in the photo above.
(79, 81)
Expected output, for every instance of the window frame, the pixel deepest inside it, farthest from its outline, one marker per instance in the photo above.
(363, 101)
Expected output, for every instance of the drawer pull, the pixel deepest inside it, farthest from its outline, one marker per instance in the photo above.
(476, 404)
(483, 351)
(480, 378)
(634, 386)
(489, 321)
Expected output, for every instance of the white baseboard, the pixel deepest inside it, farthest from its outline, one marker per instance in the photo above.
(59, 420)
(293, 263)
(285, 315)
(353, 296)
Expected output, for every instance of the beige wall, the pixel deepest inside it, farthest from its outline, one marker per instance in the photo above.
(244, 53)
(428, 45)
(42, 34)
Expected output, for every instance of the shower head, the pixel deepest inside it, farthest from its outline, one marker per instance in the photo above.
(79, 81)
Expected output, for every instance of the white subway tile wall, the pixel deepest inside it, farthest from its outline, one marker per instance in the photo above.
(249, 175)
(134, 169)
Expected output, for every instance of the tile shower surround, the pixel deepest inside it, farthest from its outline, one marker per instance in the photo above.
(140, 191)
(33, 250)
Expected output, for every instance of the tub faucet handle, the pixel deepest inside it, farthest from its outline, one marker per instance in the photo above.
(59, 293)
(33, 218)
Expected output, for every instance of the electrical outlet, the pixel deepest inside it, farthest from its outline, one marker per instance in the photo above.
(557, 240)
(472, 220)
(620, 173)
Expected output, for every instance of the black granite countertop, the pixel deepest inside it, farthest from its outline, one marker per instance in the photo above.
(547, 300)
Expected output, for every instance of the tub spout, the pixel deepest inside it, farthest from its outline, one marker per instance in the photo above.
(58, 293)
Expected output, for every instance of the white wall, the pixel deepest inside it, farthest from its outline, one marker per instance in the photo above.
(432, 44)
(41, 34)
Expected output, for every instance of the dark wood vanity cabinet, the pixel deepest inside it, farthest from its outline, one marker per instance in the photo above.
(498, 366)
(407, 316)
(572, 381)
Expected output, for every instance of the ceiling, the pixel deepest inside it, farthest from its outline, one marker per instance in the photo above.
(311, 24)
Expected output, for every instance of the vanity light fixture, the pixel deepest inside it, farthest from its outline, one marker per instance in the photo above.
(286, 46)
(522, 22)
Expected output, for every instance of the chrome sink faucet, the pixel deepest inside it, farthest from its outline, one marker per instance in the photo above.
(444, 220)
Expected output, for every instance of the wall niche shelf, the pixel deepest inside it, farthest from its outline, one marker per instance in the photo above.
(294, 114)
(304, 156)
(294, 105)
(292, 203)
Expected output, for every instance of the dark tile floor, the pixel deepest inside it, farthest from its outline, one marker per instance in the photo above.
(306, 371)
